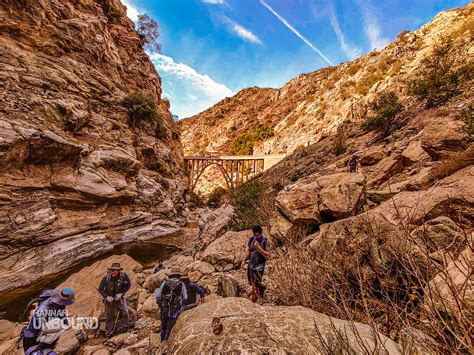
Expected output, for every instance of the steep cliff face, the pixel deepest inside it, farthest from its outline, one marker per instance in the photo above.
(76, 176)
(314, 105)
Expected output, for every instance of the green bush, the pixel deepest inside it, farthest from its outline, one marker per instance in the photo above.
(141, 107)
(216, 197)
(439, 78)
(386, 107)
(246, 201)
(244, 144)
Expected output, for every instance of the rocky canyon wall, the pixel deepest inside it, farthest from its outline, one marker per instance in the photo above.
(313, 106)
(76, 177)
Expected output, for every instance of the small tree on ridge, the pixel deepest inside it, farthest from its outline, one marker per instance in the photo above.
(148, 30)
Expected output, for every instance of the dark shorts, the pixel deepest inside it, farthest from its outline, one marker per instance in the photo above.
(254, 276)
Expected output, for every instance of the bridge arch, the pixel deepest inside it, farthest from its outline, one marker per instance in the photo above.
(203, 169)
(235, 169)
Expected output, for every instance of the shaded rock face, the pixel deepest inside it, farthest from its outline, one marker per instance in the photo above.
(76, 178)
(250, 328)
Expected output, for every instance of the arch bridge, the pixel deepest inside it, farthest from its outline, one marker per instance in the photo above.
(236, 169)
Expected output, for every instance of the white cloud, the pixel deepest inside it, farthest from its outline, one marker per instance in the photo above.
(351, 52)
(241, 31)
(189, 91)
(217, 2)
(371, 26)
(132, 12)
(295, 31)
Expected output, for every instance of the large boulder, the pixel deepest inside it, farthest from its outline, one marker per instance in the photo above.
(435, 140)
(438, 234)
(246, 327)
(299, 202)
(384, 170)
(317, 199)
(222, 284)
(414, 153)
(342, 198)
(70, 341)
(86, 281)
(213, 224)
(371, 156)
(373, 236)
(11, 347)
(280, 226)
(226, 252)
(457, 278)
(8, 330)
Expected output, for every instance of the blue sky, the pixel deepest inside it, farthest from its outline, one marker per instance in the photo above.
(211, 49)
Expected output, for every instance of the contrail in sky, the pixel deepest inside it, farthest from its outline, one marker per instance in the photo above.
(295, 31)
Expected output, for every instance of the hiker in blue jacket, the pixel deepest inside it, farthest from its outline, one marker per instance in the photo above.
(53, 306)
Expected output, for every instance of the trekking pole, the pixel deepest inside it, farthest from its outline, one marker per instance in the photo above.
(116, 319)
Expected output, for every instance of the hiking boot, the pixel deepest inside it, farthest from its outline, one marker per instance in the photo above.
(254, 297)
(261, 290)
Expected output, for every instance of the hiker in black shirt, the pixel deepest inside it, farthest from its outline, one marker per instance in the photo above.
(113, 287)
(257, 256)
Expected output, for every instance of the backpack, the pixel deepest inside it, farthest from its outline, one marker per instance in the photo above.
(353, 163)
(43, 296)
(170, 301)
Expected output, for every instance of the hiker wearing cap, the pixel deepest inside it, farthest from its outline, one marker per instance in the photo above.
(192, 291)
(257, 256)
(39, 334)
(113, 287)
(170, 298)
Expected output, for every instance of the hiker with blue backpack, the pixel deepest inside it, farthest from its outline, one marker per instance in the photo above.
(170, 297)
(257, 256)
(49, 321)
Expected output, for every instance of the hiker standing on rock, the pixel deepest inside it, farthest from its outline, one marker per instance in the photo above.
(48, 322)
(113, 287)
(353, 164)
(170, 298)
(192, 290)
(257, 255)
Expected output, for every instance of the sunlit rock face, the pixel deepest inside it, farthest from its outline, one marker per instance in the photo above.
(76, 178)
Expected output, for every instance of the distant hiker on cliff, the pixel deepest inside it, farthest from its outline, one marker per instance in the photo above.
(48, 322)
(158, 267)
(170, 298)
(353, 164)
(257, 256)
(113, 287)
(192, 290)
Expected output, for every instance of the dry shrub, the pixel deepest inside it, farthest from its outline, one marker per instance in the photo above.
(365, 83)
(381, 274)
